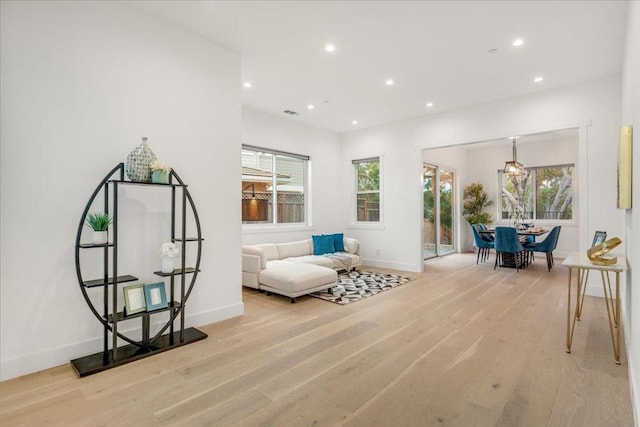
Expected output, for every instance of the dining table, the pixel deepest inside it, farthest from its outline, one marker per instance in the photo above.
(522, 232)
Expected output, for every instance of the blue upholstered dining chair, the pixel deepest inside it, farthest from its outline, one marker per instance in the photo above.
(508, 243)
(548, 245)
(484, 246)
(487, 237)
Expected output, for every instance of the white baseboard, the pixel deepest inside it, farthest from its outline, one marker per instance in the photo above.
(57, 356)
(393, 265)
(634, 387)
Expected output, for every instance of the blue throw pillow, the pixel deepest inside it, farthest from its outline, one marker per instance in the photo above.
(338, 242)
(323, 245)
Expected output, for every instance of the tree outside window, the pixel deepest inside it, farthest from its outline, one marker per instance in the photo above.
(542, 193)
(367, 190)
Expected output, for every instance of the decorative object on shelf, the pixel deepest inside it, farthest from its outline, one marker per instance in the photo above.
(134, 299)
(169, 252)
(514, 167)
(139, 161)
(155, 295)
(99, 223)
(625, 163)
(596, 253)
(476, 200)
(159, 172)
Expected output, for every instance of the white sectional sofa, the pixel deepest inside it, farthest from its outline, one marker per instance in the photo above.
(291, 269)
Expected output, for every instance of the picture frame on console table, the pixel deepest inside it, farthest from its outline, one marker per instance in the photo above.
(134, 299)
(599, 238)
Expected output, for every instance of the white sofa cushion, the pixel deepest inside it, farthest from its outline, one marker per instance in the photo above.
(253, 259)
(295, 249)
(312, 259)
(293, 278)
(351, 245)
(270, 250)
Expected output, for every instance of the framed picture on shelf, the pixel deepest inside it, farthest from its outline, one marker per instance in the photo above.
(134, 299)
(155, 295)
(599, 238)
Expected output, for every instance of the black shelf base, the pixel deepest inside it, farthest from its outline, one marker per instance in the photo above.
(94, 363)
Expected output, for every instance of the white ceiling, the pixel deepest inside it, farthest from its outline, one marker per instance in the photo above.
(434, 50)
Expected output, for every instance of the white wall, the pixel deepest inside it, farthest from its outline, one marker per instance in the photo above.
(631, 115)
(480, 163)
(268, 131)
(593, 107)
(80, 83)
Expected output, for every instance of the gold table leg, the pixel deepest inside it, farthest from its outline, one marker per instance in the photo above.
(581, 286)
(613, 311)
(584, 278)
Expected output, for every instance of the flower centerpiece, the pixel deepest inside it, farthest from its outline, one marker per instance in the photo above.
(159, 172)
(99, 223)
(169, 251)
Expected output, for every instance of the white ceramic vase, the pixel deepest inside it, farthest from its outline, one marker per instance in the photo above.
(167, 264)
(100, 237)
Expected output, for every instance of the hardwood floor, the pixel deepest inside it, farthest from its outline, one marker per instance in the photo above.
(461, 345)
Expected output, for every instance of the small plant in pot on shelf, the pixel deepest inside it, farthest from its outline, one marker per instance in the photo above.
(159, 172)
(169, 252)
(99, 223)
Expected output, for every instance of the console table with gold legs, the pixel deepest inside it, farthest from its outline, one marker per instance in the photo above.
(582, 266)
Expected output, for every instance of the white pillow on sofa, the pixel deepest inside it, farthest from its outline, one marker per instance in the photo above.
(351, 245)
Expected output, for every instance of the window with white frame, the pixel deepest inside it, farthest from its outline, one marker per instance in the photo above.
(367, 172)
(541, 193)
(274, 186)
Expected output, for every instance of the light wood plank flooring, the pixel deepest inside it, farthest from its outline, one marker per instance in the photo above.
(461, 345)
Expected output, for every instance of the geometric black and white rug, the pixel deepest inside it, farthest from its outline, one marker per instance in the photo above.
(355, 286)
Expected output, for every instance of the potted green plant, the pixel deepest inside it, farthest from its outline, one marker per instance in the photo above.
(476, 200)
(99, 223)
(159, 172)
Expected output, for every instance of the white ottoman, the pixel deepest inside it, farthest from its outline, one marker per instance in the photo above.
(292, 279)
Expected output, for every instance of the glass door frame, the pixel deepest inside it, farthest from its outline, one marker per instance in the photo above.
(437, 211)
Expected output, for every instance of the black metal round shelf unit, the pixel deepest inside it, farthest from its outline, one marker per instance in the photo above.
(112, 277)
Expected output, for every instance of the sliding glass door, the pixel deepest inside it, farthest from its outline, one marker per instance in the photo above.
(437, 225)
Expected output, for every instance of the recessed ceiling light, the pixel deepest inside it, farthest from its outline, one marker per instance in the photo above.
(429, 104)
(517, 43)
(246, 84)
(354, 122)
(310, 107)
(513, 137)
(538, 79)
(389, 82)
(329, 47)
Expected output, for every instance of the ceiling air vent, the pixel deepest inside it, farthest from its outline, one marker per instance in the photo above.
(291, 112)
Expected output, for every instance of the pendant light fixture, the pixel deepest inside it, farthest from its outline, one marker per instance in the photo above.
(514, 167)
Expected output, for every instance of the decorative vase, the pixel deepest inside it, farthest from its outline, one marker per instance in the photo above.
(167, 264)
(139, 161)
(159, 177)
(100, 237)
